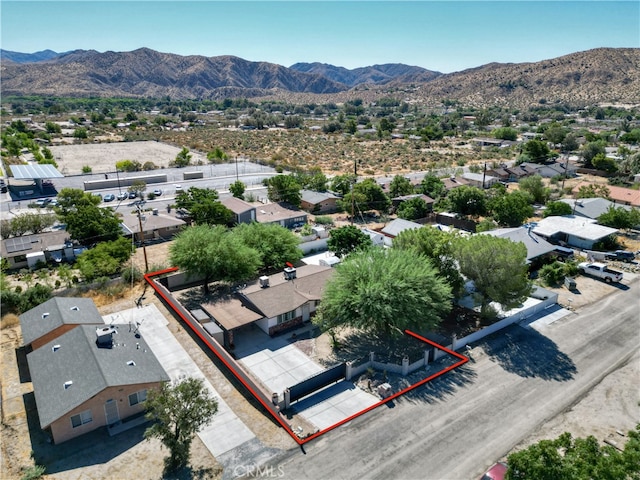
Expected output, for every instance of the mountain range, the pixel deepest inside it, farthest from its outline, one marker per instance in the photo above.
(605, 75)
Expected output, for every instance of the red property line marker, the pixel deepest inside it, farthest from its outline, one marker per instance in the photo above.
(169, 301)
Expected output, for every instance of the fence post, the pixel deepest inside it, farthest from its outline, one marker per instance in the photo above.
(372, 357)
(405, 365)
(348, 373)
(426, 357)
(287, 398)
(453, 342)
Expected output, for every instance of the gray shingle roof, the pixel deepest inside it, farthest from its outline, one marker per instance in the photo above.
(78, 359)
(592, 207)
(56, 312)
(399, 225)
(536, 245)
(283, 296)
(313, 198)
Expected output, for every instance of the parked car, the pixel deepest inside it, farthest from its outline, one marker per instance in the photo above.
(132, 195)
(497, 472)
(178, 188)
(600, 270)
(157, 192)
(109, 197)
(99, 195)
(42, 202)
(621, 255)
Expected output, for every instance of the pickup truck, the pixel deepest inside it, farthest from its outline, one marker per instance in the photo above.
(620, 255)
(600, 270)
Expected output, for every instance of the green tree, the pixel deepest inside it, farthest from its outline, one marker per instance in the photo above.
(620, 218)
(371, 196)
(138, 187)
(467, 200)
(536, 188)
(602, 162)
(204, 207)
(276, 245)
(511, 209)
(537, 150)
(566, 457)
(105, 259)
(80, 133)
(557, 209)
(342, 183)
(436, 245)
(237, 189)
(213, 253)
(86, 222)
(497, 267)
(217, 155)
(593, 191)
(179, 412)
(590, 150)
(384, 291)
(506, 133)
(183, 158)
(556, 133)
(128, 166)
(345, 240)
(400, 186)
(432, 186)
(284, 188)
(413, 209)
(570, 143)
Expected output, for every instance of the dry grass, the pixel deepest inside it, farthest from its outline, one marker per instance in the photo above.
(9, 320)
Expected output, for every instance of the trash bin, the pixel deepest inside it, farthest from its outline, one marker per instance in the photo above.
(570, 283)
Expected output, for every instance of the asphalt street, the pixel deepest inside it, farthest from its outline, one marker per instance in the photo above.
(459, 425)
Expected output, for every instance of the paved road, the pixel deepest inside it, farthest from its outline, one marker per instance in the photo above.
(461, 424)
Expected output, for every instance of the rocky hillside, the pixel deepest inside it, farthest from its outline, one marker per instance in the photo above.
(585, 78)
(376, 74)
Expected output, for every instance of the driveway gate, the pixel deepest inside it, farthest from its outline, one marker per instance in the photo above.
(317, 381)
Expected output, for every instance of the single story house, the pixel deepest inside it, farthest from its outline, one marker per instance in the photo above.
(480, 180)
(85, 374)
(519, 171)
(155, 226)
(454, 182)
(487, 142)
(274, 303)
(537, 247)
(396, 227)
(591, 207)
(428, 200)
(500, 173)
(318, 202)
(26, 251)
(243, 211)
(282, 214)
(550, 170)
(579, 232)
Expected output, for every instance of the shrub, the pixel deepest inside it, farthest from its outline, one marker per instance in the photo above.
(86, 169)
(18, 289)
(33, 473)
(131, 273)
(324, 220)
(552, 274)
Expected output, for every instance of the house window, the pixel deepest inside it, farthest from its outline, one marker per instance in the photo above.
(138, 397)
(285, 317)
(81, 418)
(19, 258)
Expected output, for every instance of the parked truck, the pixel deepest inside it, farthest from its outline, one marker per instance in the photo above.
(600, 270)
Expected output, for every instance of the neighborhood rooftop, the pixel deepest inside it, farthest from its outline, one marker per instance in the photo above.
(577, 226)
(72, 369)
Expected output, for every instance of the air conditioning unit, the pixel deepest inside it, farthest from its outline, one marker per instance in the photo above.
(289, 273)
(264, 281)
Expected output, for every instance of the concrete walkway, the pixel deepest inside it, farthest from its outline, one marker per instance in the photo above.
(226, 431)
(543, 319)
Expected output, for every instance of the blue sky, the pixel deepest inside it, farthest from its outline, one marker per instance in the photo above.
(445, 36)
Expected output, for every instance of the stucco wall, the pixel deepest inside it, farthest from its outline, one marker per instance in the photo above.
(62, 430)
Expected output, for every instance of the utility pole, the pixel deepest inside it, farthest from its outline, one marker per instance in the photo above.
(236, 168)
(353, 200)
(566, 166)
(144, 249)
(484, 173)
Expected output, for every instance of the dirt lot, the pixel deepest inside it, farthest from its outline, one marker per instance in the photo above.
(102, 157)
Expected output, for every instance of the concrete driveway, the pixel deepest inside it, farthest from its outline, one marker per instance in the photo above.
(279, 364)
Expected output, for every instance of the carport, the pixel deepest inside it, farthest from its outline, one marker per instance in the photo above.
(38, 178)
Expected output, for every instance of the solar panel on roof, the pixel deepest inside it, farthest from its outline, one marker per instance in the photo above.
(20, 244)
